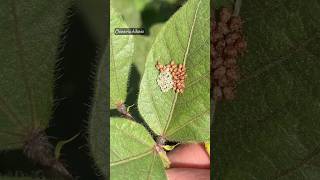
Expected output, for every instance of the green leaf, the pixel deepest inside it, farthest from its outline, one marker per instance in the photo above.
(30, 34)
(129, 10)
(142, 45)
(185, 38)
(98, 123)
(121, 52)
(132, 150)
(271, 131)
(140, 4)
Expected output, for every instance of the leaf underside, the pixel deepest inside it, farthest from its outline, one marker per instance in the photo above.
(30, 33)
(185, 39)
(271, 131)
(121, 53)
(132, 151)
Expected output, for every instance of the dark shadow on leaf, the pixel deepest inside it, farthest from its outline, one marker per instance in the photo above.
(132, 98)
(158, 11)
(115, 113)
(14, 162)
(72, 93)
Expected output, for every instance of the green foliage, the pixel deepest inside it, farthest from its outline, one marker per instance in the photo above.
(28, 51)
(184, 38)
(121, 52)
(130, 10)
(271, 131)
(132, 151)
(132, 148)
(140, 4)
(142, 45)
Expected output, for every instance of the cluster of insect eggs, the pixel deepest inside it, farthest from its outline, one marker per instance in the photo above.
(178, 72)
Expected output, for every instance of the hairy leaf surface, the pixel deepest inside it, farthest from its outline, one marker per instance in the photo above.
(30, 34)
(98, 124)
(185, 39)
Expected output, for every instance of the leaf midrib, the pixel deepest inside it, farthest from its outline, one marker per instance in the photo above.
(184, 63)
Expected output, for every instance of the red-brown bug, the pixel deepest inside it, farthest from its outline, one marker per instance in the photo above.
(175, 80)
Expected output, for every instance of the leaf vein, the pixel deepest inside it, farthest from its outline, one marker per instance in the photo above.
(184, 63)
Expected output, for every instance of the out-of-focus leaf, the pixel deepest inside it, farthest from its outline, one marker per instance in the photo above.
(98, 121)
(130, 11)
(142, 45)
(30, 34)
(140, 4)
(271, 131)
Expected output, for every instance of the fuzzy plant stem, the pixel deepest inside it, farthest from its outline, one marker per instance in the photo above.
(237, 7)
(124, 111)
(39, 150)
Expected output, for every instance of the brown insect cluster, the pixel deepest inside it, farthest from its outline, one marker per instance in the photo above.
(227, 44)
(178, 72)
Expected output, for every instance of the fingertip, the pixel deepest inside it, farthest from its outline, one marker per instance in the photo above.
(189, 155)
(188, 174)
